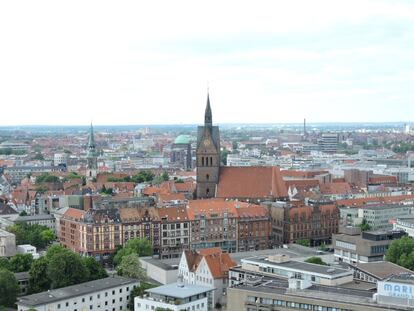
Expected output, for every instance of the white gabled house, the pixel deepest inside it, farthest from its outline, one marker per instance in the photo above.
(207, 267)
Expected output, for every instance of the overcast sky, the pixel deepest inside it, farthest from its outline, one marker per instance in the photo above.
(149, 62)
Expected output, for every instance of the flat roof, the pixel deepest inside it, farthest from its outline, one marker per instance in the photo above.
(382, 269)
(35, 217)
(302, 266)
(180, 291)
(158, 263)
(82, 289)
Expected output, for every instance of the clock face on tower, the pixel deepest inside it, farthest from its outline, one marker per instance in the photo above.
(206, 142)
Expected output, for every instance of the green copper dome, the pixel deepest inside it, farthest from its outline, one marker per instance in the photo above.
(182, 139)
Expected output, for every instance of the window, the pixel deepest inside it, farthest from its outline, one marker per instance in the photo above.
(120, 290)
(58, 305)
(67, 304)
(90, 307)
(90, 298)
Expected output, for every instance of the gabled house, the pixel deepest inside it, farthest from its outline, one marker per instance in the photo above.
(207, 267)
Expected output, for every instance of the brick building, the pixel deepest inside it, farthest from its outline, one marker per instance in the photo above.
(316, 222)
(142, 222)
(175, 231)
(213, 224)
(94, 233)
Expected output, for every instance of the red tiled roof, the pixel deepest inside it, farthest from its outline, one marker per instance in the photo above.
(383, 179)
(335, 188)
(185, 186)
(211, 206)
(251, 182)
(218, 262)
(302, 174)
(173, 213)
(363, 201)
(302, 183)
(73, 213)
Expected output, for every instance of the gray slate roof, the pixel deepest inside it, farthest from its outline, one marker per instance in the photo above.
(82, 289)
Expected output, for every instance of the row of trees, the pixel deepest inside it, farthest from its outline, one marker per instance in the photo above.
(17, 263)
(36, 235)
(61, 267)
(142, 176)
(46, 177)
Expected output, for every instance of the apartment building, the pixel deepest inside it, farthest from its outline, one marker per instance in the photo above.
(142, 222)
(94, 233)
(213, 224)
(175, 231)
(109, 294)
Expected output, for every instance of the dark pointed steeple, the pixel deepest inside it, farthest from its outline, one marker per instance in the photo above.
(91, 148)
(208, 118)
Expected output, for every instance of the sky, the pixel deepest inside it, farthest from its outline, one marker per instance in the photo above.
(151, 62)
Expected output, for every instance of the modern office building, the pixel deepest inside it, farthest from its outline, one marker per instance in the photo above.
(176, 297)
(281, 266)
(368, 246)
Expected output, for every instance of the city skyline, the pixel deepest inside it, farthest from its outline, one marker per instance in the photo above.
(326, 61)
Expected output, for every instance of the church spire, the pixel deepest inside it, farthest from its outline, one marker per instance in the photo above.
(91, 141)
(208, 118)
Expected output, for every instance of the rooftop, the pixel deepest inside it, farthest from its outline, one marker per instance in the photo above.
(382, 269)
(35, 217)
(301, 266)
(175, 290)
(73, 291)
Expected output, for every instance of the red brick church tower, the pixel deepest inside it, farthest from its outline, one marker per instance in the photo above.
(208, 156)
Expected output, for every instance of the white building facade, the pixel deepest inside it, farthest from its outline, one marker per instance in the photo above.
(175, 297)
(109, 294)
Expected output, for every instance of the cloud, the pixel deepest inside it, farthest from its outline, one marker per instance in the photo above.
(149, 62)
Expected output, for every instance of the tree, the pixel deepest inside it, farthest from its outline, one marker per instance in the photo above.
(165, 176)
(364, 225)
(38, 279)
(36, 235)
(55, 249)
(21, 262)
(4, 263)
(130, 266)
(401, 252)
(95, 269)
(23, 213)
(303, 242)
(141, 247)
(316, 260)
(9, 288)
(223, 156)
(66, 268)
(139, 292)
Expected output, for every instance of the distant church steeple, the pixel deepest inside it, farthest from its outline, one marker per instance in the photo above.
(208, 118)
(91, 156)
(207, 155)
